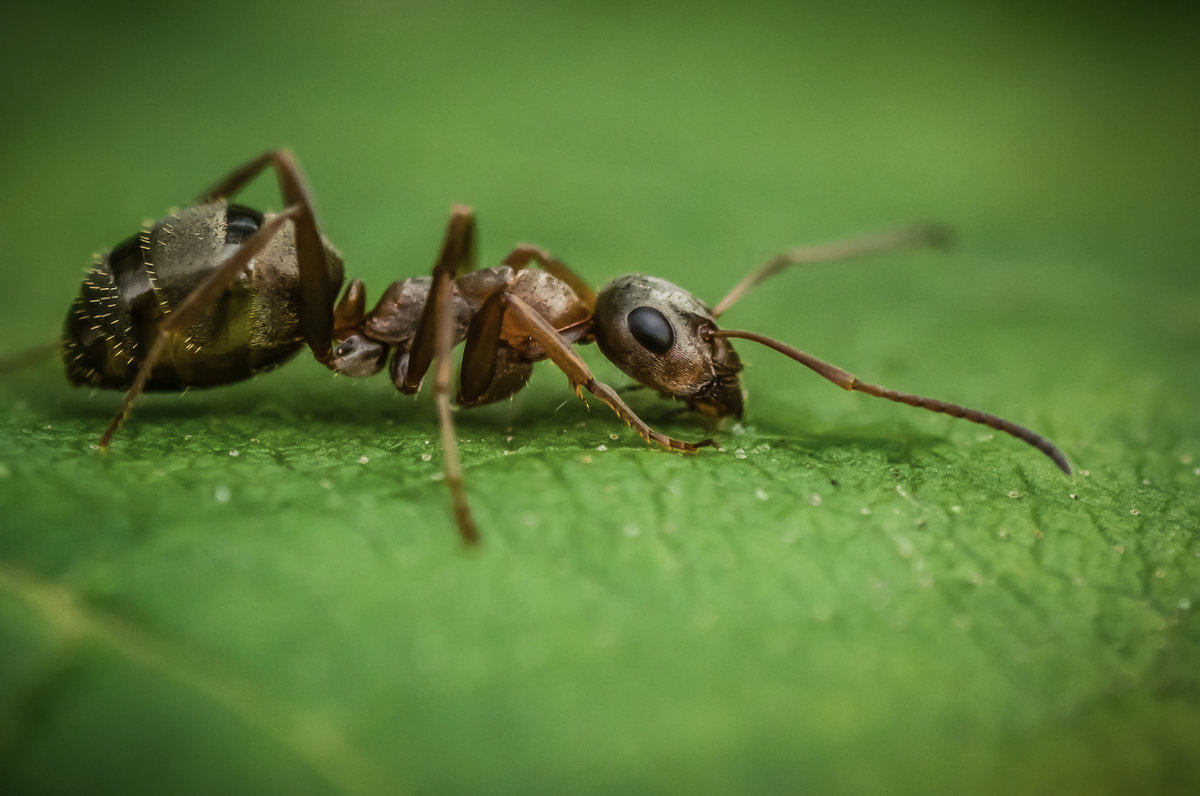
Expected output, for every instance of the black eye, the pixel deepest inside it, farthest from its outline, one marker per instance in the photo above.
(652, 329)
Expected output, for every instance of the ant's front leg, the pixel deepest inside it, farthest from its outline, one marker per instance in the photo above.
(570, 363)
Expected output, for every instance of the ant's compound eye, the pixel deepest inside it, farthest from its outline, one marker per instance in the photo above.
(652, 329)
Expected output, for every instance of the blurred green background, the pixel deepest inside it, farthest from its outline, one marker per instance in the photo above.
(258, 589)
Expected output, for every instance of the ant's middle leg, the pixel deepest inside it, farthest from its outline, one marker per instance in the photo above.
(525, 253)
(456, 257)
(433, 342)
(490, 370)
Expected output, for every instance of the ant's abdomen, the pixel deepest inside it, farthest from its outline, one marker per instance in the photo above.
(126, 295)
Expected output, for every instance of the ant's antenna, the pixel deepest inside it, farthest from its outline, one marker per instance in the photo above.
(848, 381)
(934, 235)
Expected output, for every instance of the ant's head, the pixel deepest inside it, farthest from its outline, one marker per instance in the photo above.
(661, 335)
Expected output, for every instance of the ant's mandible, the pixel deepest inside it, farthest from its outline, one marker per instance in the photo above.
(219, 292)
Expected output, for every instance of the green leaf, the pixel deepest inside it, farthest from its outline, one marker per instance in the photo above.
(260, 589)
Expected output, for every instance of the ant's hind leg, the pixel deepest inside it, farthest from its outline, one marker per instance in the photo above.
(29, 356)
(193, 307)
(316, 288)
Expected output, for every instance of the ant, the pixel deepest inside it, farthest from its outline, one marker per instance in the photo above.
(218, 292)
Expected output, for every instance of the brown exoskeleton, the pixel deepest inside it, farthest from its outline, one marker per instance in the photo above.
(218, 292)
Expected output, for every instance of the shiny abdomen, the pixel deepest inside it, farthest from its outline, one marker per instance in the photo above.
(252, 327)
